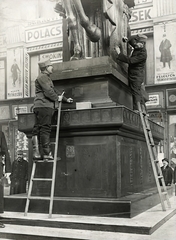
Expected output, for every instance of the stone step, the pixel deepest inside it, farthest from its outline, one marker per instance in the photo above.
(124, 207)
(145, 223)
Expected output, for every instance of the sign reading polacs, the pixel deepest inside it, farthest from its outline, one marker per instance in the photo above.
(43, 33)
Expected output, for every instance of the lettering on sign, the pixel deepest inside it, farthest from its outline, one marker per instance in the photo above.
(166, 77)
(153, 100)
(142, 1)
(43, 33)
(52, 56)
(139, 15)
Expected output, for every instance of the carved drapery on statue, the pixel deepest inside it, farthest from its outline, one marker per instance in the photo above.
(95, 26)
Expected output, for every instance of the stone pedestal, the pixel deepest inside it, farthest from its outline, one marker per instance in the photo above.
(104, 163)
(97, 80)
(104, 157)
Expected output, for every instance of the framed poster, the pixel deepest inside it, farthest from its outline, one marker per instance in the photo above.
(171, 97)
(165, 45)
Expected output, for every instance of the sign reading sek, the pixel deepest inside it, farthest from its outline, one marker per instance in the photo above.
(144, 14)
(43, 33)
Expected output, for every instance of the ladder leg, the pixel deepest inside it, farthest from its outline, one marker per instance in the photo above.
(153, 156)
(30, 188)
(55, 162)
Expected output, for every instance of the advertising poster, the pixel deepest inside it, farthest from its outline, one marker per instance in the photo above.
(2, 79)
(14, 73)
(165, 53)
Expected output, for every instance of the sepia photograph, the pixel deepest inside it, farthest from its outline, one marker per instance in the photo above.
(87, 119)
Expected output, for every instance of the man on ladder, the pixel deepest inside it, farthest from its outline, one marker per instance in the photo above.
(45, 103)
(136, 69)
(46, 100)
(136, 75)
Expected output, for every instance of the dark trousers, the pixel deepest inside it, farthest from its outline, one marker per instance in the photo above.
(42, 127)
(136, 93)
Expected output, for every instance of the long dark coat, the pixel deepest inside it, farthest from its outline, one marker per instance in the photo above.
(3, 151)
(19, 176)
(165, 51)
(167, 174)
(136, 71)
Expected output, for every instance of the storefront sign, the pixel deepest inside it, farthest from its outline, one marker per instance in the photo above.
(19, 109)
(142, 1)
(44, 33)
(165, 45)
(53, 56)
(153, 100)
(139, 15)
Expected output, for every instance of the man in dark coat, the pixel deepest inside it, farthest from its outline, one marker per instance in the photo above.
(167, 172)
(4, 163)
(164, 48)
(46, 100)
(19, 175)
(136, 68)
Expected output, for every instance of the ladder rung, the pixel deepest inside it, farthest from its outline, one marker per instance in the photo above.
(160, 177)
(42, 179)
(164, 193)
(43, 161)
(39, 198)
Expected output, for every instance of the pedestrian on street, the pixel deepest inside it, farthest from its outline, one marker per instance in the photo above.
(167, 172)
(45, 103)
(19, 175)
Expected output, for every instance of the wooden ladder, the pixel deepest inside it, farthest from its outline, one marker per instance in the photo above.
(52, 180)
(153, 157)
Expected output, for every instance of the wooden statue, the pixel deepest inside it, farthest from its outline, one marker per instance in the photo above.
(95, 26)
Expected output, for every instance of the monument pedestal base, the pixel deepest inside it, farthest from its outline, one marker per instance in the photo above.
(104, 164)
(125, 207)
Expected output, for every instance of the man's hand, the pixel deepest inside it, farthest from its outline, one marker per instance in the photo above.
(69, 100)
(125, 39)
(117, 50)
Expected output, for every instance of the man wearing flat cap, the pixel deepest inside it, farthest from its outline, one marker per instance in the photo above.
(19, 175)
(167, 172)
(46, 100)
(136, 66)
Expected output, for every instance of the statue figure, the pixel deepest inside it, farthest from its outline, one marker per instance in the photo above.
(105, 27)
(74, 9)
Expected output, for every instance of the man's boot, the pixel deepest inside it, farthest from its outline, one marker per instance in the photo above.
(36, 152)
(45, 141)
